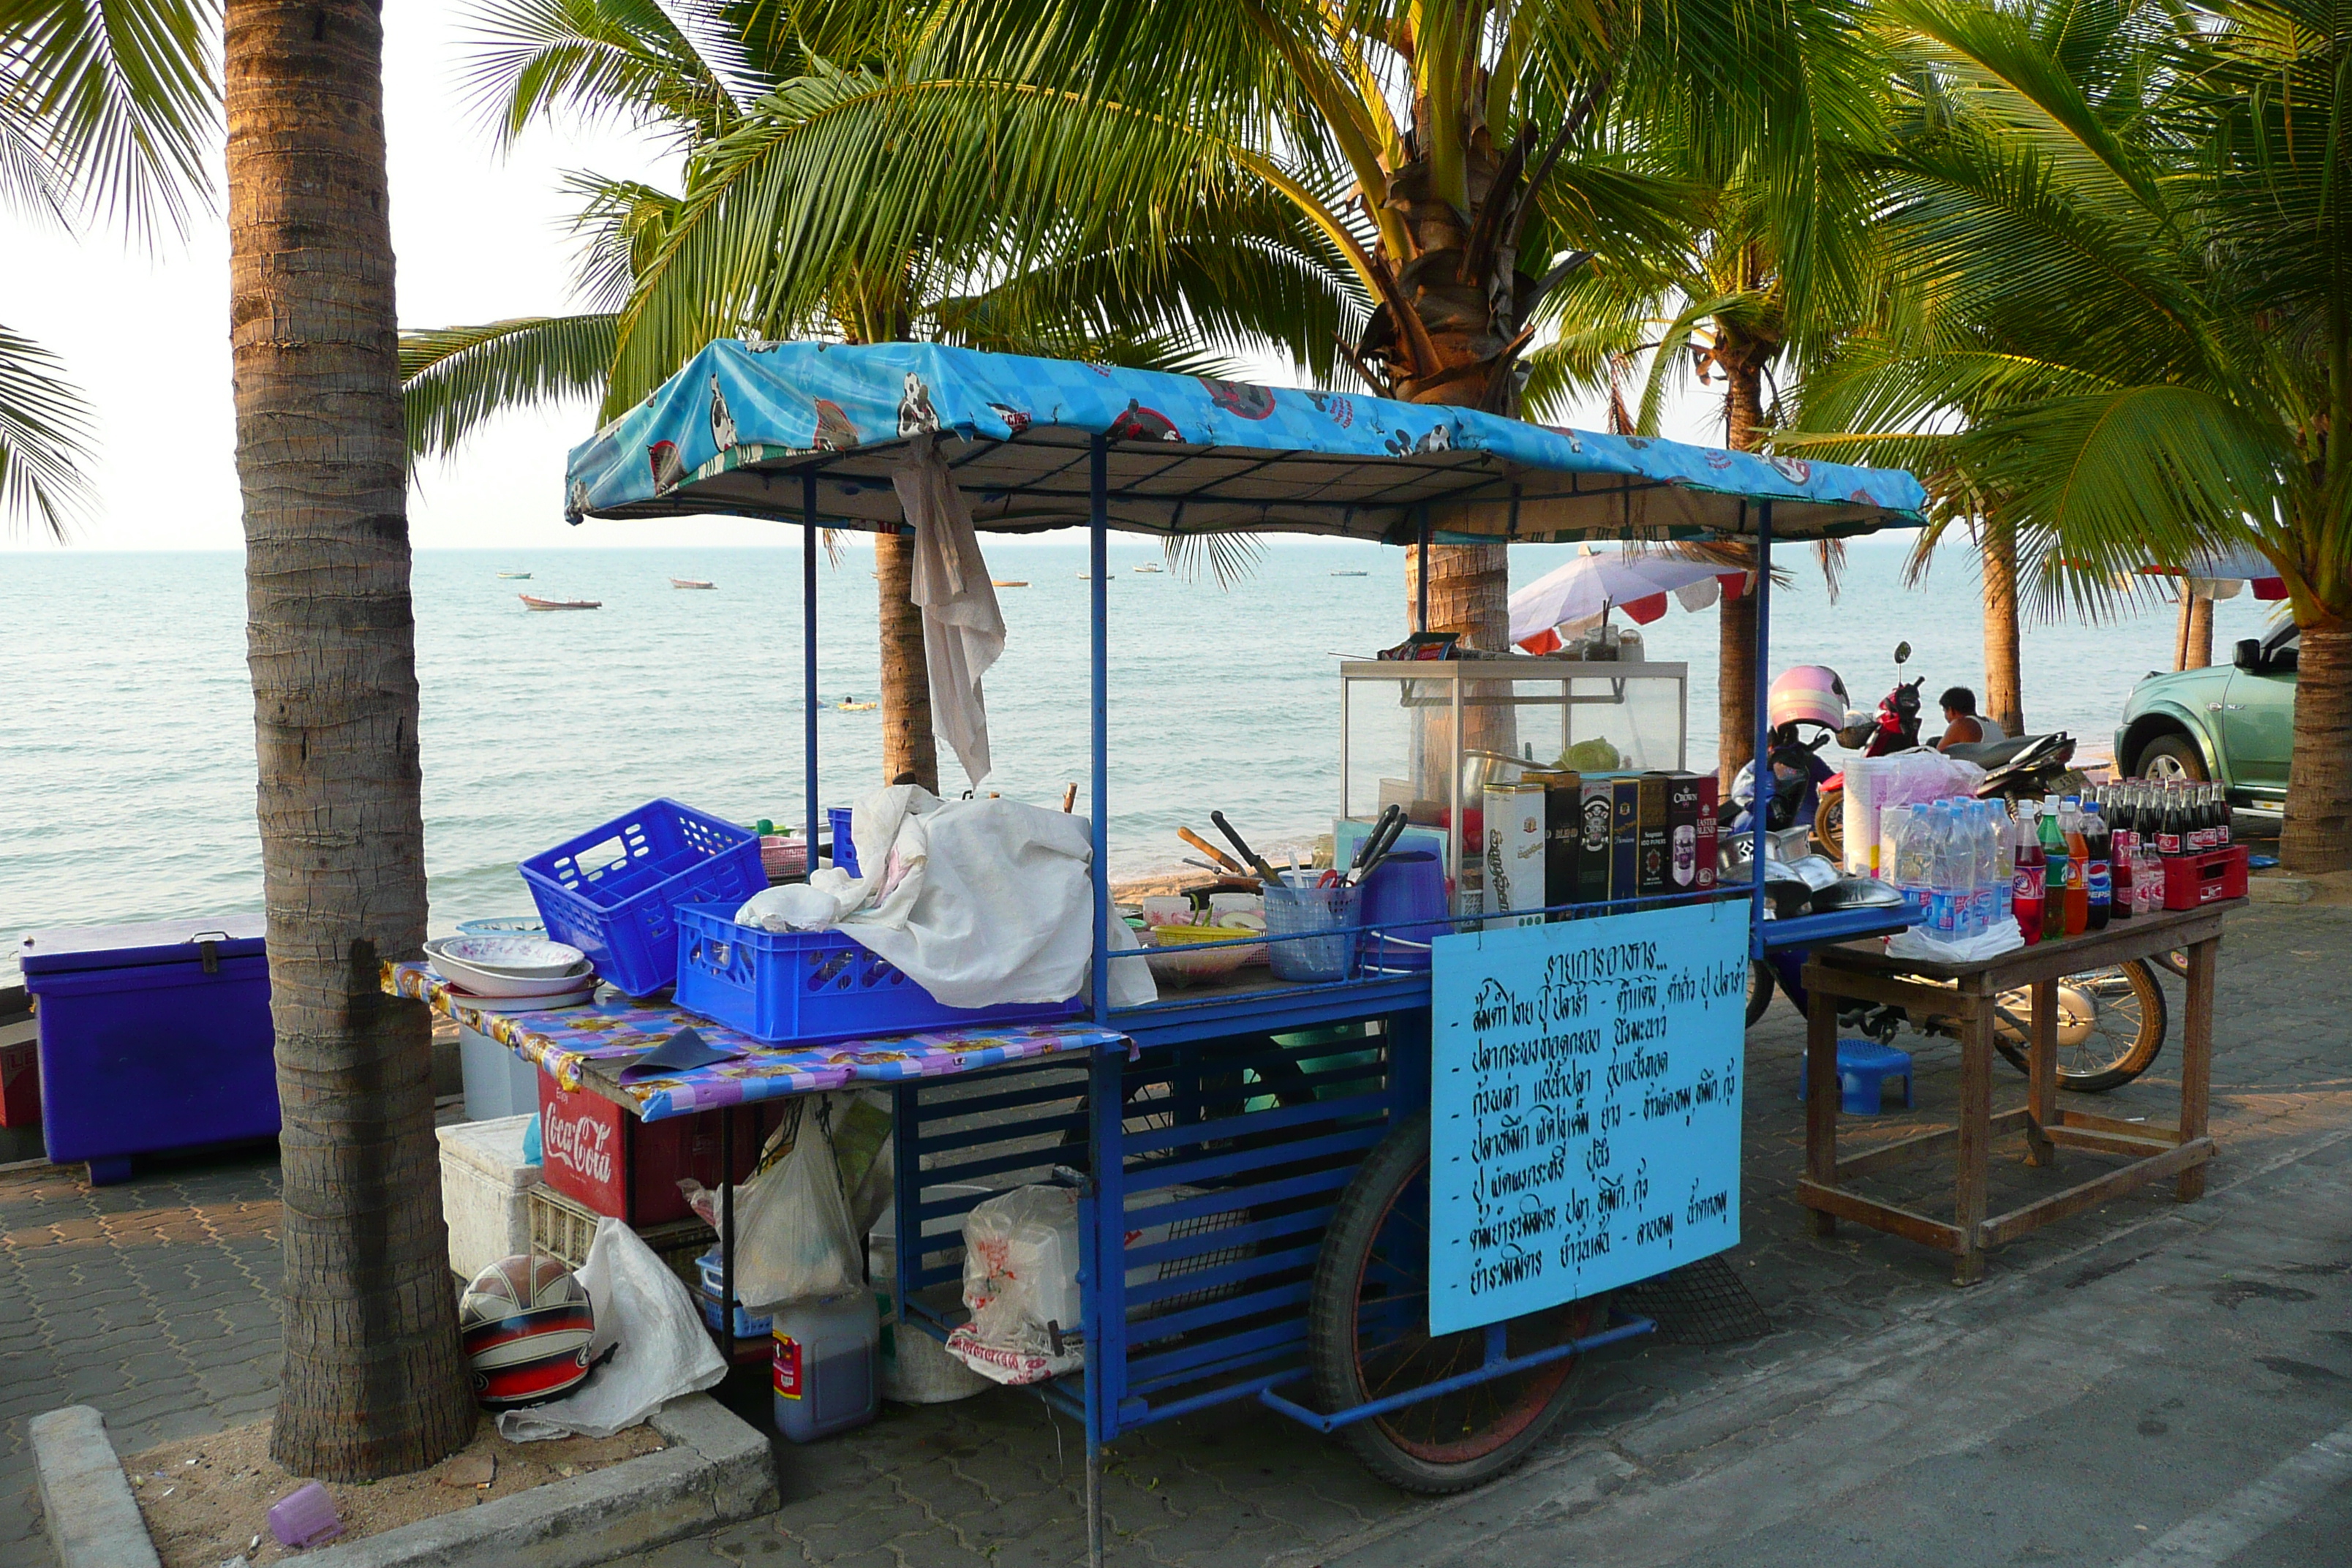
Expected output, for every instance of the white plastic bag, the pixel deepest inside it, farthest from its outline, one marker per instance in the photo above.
(1913, 942)
(793, 1239)
(1021, 1281)
(664, 1353)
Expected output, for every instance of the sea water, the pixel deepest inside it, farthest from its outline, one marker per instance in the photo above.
(126, 754)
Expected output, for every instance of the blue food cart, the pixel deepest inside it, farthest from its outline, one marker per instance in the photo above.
(1388, 1205)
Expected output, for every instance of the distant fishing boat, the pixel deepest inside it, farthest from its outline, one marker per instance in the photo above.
(847, 706)
(516, 576)
(1150, 566)
(530, 604)
(690, 583)
(1008, 582)
(1347, 574)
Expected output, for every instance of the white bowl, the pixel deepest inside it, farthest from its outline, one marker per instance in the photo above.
(526, 957)
(488, 983)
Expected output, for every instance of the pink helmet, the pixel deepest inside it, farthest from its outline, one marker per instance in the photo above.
(1807, 694)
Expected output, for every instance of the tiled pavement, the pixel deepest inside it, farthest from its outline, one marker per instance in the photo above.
(152, 1301)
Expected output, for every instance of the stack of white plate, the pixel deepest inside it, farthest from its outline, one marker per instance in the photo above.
(526, 974)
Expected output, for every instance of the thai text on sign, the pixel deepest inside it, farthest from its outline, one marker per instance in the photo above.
(1584, 1106)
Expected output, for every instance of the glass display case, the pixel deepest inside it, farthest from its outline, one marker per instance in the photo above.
(1431, 736)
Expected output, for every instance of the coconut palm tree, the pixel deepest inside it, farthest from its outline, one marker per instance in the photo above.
(374, 1383)
(107, 107)
(2131, 231)
(1218, 280)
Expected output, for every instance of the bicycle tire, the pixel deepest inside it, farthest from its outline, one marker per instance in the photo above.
(2099, 1068)
(1374, 1252)
(1760, 989)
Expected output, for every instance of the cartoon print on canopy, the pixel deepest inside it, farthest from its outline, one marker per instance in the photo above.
(667, 469)
(1137, 423)
(1015, 420)
(1796, 470)
(1438, 439)
(916, 413)
(1717, 459)
(1339, 410)
(1242, 397)
(576, 505)
(835, 433)
(722, 423)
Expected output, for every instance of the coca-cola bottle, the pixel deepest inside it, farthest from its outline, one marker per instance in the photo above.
(2170, 823)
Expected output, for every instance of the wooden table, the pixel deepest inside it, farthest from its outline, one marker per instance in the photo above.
(1967, 993)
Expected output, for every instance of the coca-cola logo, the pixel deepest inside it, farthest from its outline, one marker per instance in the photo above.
(581, 1143)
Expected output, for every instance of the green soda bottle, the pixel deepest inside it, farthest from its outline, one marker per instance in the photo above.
(2061, 874)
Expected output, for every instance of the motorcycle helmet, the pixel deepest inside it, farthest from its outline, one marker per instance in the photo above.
(527, 1320)
(1807, 694)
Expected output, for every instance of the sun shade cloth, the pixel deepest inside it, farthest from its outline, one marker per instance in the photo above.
(741, 426)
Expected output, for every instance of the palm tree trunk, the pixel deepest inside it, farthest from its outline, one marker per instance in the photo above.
(372, 1382)
(1735, 643)
(2201, 632)
(2317, 833)
(910, 753)
(2004, 699)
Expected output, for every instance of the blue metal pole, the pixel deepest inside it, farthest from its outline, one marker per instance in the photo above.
(1761, 794)
(1098, 571)
(808, 652)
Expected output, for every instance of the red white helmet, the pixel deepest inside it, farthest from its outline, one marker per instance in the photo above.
(1807, 694)
(527, 1322)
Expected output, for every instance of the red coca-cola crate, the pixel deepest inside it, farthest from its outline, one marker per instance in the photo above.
(593, 1151)
(2193, 879)
(20, 1084)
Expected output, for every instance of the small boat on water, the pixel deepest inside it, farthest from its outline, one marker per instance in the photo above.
(1150, 566)
(530, 604)
(850, 706)
(516, 576)
(690, 583)
(1347, 574)
(1008, 582)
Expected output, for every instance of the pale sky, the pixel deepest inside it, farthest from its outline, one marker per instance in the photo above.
(477, 239)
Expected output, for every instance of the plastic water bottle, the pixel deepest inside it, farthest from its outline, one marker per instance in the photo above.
(2004, 862)
(1981, 868)
(1943, 895)
(1912, 863)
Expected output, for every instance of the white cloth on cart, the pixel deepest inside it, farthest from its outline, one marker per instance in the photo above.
(964, 630)
(982, 903)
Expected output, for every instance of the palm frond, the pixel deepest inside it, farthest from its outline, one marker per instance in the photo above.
(453, 379)
(45, 439)
(597, 60)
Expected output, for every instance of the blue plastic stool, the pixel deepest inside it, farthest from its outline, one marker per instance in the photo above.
(1864, 1068)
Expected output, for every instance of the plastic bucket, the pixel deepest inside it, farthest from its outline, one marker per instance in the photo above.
(1324, 922)
(1403, 910)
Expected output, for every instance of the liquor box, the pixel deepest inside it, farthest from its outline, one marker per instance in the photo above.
(1515, 853)
(1593, 844)
(1652, 833)
(1625, 835)
(1682, 833)
(1709, 834)
(1563, 827)
(598, 1154)
(2191, 880)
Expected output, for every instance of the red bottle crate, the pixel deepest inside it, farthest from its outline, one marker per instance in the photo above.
(592, 1151)
(2193, 879)
(20, 1085)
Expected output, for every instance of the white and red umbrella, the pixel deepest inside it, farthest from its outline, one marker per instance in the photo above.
(2207, 571)
(1593, 584)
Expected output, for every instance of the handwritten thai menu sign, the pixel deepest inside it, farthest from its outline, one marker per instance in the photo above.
(1584, 1106)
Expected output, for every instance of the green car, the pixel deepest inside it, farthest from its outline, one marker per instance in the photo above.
(2233, 723)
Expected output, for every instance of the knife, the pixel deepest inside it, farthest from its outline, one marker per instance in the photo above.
(1256, 863)
(1224, 861)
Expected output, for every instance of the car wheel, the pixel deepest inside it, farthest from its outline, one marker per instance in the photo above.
(2172, 757)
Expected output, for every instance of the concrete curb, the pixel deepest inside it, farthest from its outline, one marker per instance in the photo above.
(717, 1470)
(2279, 887)
(86, 1501)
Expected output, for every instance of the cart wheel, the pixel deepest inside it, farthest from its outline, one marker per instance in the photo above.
(2110, 1024)
(1367, 1338)
(1760, 989)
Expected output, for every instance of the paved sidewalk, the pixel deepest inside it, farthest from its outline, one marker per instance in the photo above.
(183, 1338)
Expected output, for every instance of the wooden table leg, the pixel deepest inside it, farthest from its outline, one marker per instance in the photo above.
(2042, 1075)
(2197, 1059)
(1975, 1135)
(1820, 1101)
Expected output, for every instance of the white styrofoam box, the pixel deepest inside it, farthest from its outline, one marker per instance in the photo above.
(485, 1191)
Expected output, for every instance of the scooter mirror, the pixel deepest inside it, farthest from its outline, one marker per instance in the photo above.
(1902, 653)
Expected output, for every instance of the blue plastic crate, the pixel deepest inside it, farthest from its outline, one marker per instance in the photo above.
(801, 987)
(844, 850)
(618, 910)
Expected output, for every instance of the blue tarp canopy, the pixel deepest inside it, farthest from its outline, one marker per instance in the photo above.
(741, 426)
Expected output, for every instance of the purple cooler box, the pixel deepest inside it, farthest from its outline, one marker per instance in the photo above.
(152, 1036)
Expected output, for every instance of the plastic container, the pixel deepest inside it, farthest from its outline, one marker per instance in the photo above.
(498, 1082)
(845, 849)
(915, 1367)
(1293, 910)
(825, 1371)
(748, 1325)
(794, 987)
(152, 1036)
(1407, 886)
(593, 1151)
(485, 1181)
(304, 1517)
(616, 908)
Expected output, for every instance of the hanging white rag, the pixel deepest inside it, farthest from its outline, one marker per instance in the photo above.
(964, 631)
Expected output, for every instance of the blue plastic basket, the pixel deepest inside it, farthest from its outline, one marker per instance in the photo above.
(800, 988)
(618, 910)
(845, 852)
